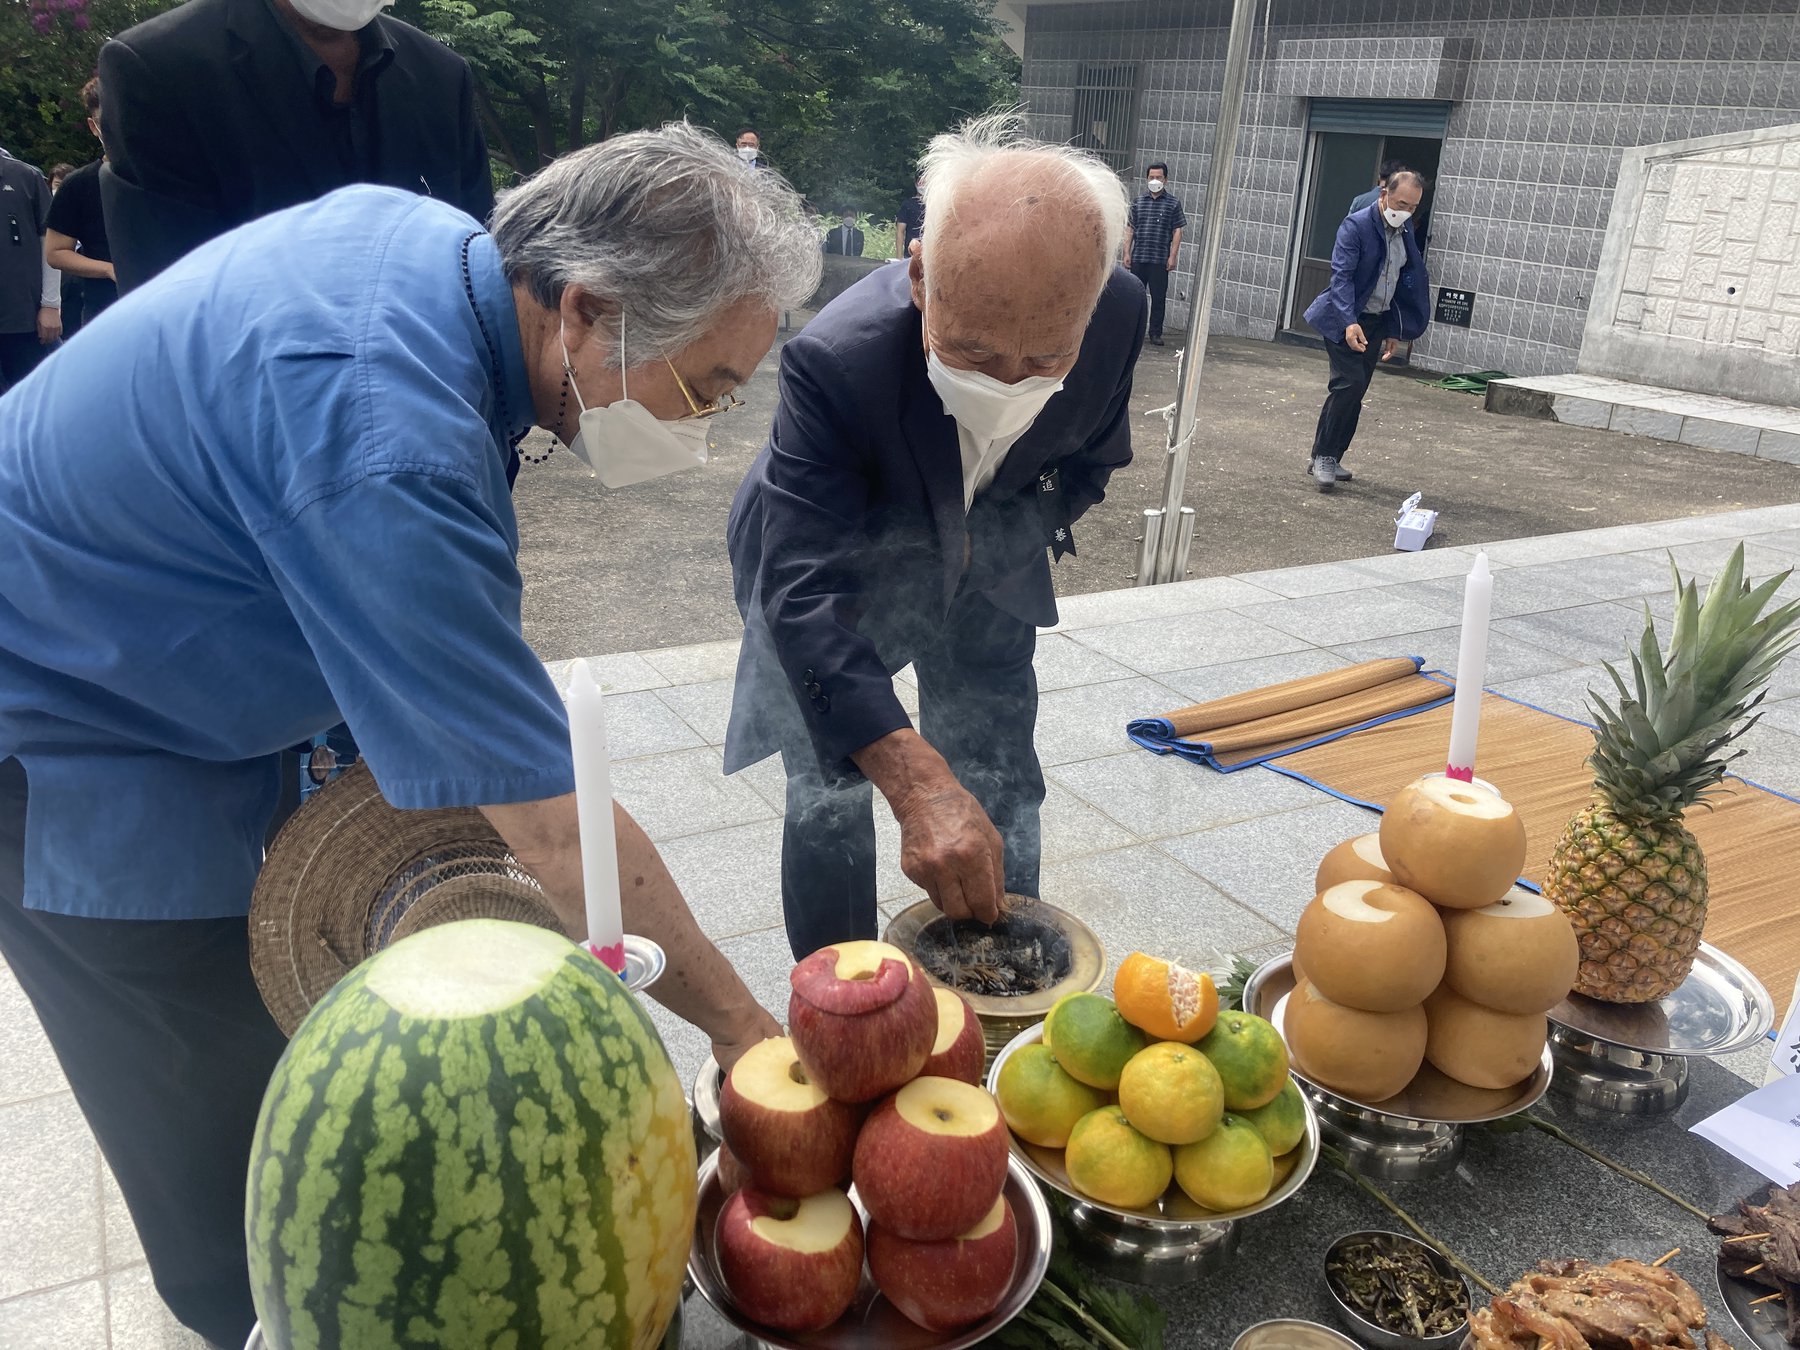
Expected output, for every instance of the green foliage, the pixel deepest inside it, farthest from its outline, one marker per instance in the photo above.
(844, 93)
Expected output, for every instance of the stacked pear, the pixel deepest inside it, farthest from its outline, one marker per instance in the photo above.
(1420, 947)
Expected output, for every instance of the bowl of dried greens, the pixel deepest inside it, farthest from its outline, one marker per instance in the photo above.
(1393, 1292)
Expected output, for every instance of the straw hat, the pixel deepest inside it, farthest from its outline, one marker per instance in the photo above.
(349, 874)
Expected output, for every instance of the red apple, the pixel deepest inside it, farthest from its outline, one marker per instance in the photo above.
(958, 1051)
(931, 1160)
(733, 1175)
(790, 1137)
(949, 1284)
(862, 1017)
(790, 1264)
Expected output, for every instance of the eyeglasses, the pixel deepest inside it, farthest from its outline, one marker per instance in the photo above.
(724, 403)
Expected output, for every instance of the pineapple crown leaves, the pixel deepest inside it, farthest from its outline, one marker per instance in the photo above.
(1656, 750)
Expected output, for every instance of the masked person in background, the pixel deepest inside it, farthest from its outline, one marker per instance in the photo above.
(941, 426)
(301, 516)
(1153, 241)
(220, 111)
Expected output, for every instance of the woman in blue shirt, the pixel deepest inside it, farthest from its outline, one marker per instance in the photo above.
(267, 492)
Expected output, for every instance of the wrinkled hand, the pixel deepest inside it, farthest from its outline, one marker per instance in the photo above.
(754, 1027)
(1389, 347)
(1355, 338)
(1171, 262)
(49, 325)
(951, 849)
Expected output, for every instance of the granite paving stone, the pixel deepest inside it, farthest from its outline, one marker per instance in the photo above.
(1072, 828)
(1205, 683)
(1268, 865)
(684, 793)
(1158, 796)
(50, 1222)
(696, 663)
(1062, 663)
(120, 1234)
(1089, 721)
(72, 1317)
(639, 724)
(139, 1318)
(1507, 658)
(1425, 565)
(617, 673)
(1602, 631)
(1323, 579)
(1186, 640)
(1104, 608)
(731, 877)
(705, 706)
(1141, 899)
(1327, 621)
(1772, 758)
(30, 1067)
(1563, 692)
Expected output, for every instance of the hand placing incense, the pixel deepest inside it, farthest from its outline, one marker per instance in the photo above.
(1471, 671)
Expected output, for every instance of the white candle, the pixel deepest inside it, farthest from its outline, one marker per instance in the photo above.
(594, 809)
(1471, 671)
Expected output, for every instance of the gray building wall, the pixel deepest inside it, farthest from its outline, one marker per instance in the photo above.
(1555, 92)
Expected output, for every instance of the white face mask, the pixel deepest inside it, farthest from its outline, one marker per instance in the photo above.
(984, 407)
(625, 443)
(1395, 217)
(747, 153)
(1156, 185)
(344, 15)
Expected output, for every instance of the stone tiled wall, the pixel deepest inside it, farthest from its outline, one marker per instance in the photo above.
(1555, 92)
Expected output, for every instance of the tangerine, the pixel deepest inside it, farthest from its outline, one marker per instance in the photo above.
(1164, 1000)
(1109, 1161)
(1172, 1093)
(1091, 1039)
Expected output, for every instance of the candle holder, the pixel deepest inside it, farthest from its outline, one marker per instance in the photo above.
(645, 963)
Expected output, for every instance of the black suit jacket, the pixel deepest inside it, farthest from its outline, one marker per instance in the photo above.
(847, 536)
(209, 124)
(834, 242)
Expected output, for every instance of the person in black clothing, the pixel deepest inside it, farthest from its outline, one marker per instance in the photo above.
(30, 290)
(910, 223)
(71, 286)
(1153, 242)
(846, 239)
(220, 111)
(75, 243)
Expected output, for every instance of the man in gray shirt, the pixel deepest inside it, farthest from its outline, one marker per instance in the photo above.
(30, 289)
(1379, 297)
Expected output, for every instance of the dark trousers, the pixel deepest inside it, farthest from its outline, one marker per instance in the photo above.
(19, 356)
(978, 708)
(1155, 277)
(1351, 372)
(163, 1037)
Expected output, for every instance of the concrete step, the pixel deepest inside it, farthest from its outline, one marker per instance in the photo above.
(1763, 430)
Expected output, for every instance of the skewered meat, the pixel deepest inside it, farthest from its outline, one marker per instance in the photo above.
(1767, 1250)
(1571, 1305)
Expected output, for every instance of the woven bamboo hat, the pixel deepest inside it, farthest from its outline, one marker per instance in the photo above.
(350, 874)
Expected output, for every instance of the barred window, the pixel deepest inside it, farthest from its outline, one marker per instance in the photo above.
(1106, 113)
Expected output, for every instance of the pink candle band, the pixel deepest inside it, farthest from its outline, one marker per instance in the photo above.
(613, 957)
(1459, 773)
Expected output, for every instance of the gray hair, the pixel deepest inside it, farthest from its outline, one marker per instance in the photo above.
(955, 159)
(1400, 176)
(668, 225)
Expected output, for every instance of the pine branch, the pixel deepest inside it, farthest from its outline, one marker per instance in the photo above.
(1557, 1132)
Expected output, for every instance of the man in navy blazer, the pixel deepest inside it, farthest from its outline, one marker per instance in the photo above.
(1379, 297)
(942, 424)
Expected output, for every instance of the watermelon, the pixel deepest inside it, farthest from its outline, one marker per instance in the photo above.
(476, 1139)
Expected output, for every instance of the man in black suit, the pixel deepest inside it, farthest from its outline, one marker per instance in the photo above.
(846, 239)
(941, 424)
(221, 111)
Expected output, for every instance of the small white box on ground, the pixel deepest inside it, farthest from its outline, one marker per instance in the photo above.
(1414, 524)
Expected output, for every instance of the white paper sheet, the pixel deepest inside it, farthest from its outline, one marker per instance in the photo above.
(1762, 1129)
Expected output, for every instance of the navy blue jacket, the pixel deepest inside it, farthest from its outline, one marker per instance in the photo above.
(1356, 261)
(847, 536)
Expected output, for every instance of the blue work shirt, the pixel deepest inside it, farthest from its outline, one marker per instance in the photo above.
(261, 494)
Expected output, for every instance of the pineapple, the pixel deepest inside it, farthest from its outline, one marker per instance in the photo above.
(1627, 871)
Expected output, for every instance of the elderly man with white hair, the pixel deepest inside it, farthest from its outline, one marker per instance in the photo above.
(268, 492)
(943, 423)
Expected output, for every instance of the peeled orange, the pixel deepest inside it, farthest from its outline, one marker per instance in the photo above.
(1165, 1001)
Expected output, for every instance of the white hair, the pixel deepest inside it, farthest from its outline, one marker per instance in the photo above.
(955, 159)
(668, 225)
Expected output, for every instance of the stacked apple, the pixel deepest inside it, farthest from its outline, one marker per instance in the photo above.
(1419, 947)
(876, 1085)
